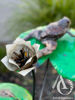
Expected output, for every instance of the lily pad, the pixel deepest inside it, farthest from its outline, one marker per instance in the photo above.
(63, 58)
(19, 92)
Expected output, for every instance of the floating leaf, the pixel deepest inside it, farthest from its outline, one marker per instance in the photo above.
(19, 92)
(63, 58)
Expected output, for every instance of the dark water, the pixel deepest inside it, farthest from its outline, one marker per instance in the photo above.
(48, 93)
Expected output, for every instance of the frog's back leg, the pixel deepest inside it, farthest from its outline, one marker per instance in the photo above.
(50, 46)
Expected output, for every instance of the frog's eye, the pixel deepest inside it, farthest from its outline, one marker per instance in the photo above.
(68, 22)
(25, 54)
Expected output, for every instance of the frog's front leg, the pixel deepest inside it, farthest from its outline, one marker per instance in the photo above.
(50, 46)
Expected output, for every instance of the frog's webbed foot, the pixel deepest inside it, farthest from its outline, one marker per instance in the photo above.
(50, 46)
(72, 35)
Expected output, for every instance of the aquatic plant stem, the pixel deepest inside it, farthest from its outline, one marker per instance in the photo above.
(34, 83)
(44, 81)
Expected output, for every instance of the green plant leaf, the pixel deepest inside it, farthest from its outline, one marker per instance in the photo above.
(19, 92)
(63, 58)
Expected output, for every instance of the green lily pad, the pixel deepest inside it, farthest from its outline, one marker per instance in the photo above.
(63, 58)
(19, 92)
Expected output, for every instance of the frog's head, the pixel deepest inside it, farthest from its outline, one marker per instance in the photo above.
(65, 24)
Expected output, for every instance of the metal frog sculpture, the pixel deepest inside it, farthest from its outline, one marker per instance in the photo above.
(50, 34)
